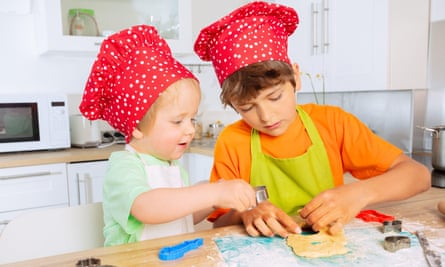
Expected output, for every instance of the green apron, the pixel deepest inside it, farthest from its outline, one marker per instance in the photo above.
(292, 182)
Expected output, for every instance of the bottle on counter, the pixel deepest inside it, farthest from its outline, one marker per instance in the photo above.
(215, 129)
(198, 130)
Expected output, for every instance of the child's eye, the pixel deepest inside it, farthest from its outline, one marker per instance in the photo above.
(245, 109)
(177, 122)
(275, 98)
(193, 120)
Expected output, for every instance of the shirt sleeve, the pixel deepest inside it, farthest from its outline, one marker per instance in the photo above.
(232, 153)
(363, 153)
(124, 181)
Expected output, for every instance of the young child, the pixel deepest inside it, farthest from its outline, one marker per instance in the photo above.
(300, 152)
(141, 90)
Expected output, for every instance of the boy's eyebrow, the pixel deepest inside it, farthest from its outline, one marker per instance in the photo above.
(274, 89)
(247, 102)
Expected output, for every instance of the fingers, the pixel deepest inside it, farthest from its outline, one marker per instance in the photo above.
(335, 228)
(246, 197)
(235, 194)
(268, 220)
(328, 211)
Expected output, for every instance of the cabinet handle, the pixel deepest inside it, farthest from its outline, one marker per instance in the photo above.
(5, 222)
(87, 189)
(325, 26)
(27, 175)
(314, 12)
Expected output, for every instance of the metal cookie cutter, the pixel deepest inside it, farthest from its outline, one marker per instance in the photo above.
(91, 262)
(261, 194)
(394, 243)
(392, 226)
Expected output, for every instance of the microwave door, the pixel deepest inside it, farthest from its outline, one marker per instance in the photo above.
(19, 122)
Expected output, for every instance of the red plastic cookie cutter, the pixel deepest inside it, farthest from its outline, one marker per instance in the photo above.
(374, 216)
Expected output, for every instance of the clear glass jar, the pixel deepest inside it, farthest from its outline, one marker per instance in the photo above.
(198, 130)
(82, 22)
(215, 129)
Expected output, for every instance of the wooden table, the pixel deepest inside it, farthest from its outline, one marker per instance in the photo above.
(420, 210)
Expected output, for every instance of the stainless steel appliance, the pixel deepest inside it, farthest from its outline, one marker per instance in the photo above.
(438, 178)
(33, 122)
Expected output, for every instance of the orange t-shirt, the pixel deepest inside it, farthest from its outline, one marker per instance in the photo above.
(351, 146)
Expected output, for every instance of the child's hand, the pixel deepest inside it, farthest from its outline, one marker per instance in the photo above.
(334, 208)
(268, 220)
(236, 194)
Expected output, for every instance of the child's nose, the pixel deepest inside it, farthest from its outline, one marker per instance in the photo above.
(263, 113)
(190, 129)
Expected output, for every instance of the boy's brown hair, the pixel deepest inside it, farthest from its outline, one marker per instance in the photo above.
(245, 84)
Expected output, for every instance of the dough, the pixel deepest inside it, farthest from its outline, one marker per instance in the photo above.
(317, 245)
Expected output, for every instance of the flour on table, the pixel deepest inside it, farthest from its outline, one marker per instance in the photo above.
(317, 245)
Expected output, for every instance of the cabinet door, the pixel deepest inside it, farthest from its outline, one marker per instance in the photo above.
(357, 57)
(172, 18)
(85, 181)
(31, 187)
(360, 45)
(304, 46)
(342, 42)
(198, 166)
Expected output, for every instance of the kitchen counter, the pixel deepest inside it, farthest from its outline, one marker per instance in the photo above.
(419, 211)
(18, 159)
(203, 146)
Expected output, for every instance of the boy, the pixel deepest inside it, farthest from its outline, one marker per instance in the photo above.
(141, 90)
(300, 152)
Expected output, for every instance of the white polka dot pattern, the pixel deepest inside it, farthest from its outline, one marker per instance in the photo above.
(252, 33)
(132, 69)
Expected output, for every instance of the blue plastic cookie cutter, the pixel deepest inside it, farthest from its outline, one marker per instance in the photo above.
(177, 251)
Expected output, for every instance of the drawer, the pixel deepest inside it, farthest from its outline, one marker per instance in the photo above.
(33, 186)
(6, 217)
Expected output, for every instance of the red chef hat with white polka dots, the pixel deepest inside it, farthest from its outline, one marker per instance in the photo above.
(132, 69)
(253, 33)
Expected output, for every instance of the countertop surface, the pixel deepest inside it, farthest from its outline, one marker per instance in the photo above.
(18, 159)
(417, 213)
(202, 146)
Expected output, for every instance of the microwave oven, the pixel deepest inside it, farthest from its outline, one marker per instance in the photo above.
(33, 122)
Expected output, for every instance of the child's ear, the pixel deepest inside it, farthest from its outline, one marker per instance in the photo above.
(297, 75)
(137, 134)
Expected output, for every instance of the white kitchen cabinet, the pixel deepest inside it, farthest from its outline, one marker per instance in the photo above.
(85, 182)
(361, 45)
(31, 187)
(198, 166)
(172, 18)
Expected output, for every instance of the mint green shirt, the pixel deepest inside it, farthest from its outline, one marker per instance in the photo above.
(125, 179)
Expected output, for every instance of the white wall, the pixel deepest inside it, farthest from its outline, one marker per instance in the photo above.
(23, 70)
(437, 73)
(437, 10)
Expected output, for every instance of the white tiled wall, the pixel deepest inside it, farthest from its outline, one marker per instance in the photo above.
(391, 114)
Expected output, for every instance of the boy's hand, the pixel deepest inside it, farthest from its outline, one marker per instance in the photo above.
(268, 220)
(334, 208)
(236, 194)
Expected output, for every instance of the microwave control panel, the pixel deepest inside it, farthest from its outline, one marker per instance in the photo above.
(59, 122)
